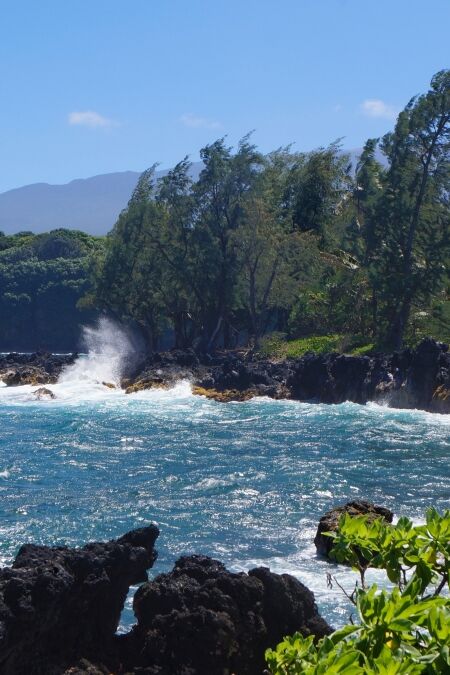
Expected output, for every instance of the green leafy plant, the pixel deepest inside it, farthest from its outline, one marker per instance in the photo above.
(405, 630)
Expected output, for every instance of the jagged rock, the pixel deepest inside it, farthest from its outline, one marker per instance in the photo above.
(58, 605)
(202, 619)
(418, 378)
(26, 375)
(330, 521)
(34, 369)
(43, 393)
(441, 399)
(59, 610)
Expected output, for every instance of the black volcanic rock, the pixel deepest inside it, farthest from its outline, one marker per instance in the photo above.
(37, 368)
(330, 521)
(202, 619)
(58, 605)
(418, 378)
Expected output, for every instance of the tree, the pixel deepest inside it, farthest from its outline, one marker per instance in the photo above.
(411, 221)
(220, 191)
(42, 279)
(127, 274)
(319, 183)
(265, 247)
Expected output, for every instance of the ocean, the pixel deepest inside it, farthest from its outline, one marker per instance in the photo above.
(243, 482)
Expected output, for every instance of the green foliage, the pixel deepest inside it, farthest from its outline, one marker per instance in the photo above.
(42, 278)
(363, 350)
(406, 630)
(277, 346)
(225, 255)
(408, 223)
(290, 242)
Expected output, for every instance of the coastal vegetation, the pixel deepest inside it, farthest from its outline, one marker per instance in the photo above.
(42, 278)
(297, 243)
(403, 630)
(308, 248)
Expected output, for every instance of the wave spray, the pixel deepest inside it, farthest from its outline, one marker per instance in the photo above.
(109, 351)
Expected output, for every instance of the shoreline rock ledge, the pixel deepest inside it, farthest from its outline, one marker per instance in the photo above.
(411, 378)
(60, 607)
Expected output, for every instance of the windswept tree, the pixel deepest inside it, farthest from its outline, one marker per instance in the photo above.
(290, 242)
(220, 192)
(126, 276)
(319, 183)
(411, 223)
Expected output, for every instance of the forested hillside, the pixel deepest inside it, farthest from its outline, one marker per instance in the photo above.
(291, 242)
(42, 278)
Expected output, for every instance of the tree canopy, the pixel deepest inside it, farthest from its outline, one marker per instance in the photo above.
(300, 243)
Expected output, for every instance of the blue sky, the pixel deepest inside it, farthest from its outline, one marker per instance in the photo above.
(94, 86)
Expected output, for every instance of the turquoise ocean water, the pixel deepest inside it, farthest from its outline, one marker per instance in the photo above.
(243, 482)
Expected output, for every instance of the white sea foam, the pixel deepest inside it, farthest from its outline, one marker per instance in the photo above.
(96, 374)
(109, 348)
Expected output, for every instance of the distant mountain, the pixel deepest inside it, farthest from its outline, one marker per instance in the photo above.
(88, 204)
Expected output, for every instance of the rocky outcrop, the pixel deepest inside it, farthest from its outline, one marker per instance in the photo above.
(35, 369)
(202, 619)
(58, 605)
(417, 378)
(330, 521)
(223, 376)
(43, 393)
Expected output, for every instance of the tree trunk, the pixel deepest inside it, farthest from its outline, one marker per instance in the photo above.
(397, 332)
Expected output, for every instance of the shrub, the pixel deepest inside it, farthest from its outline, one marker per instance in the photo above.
(403, 631)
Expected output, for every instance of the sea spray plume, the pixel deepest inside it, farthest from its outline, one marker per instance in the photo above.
(111, 351)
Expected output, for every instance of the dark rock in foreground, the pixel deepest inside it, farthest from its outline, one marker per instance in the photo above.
(58, 605)
(330, 521)
(202, 619)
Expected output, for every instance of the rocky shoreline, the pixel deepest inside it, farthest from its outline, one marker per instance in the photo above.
(36, 369)
(413, 378)
(60, 608)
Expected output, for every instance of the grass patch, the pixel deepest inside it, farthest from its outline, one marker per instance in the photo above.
(276, 345)
(363, 350)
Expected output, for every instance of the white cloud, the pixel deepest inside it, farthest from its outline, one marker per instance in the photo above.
(195, 122)
(375, 107)
(90, 118)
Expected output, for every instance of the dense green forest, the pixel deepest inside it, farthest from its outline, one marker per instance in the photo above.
(296, 243)
(286, 244)
(42, 278)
